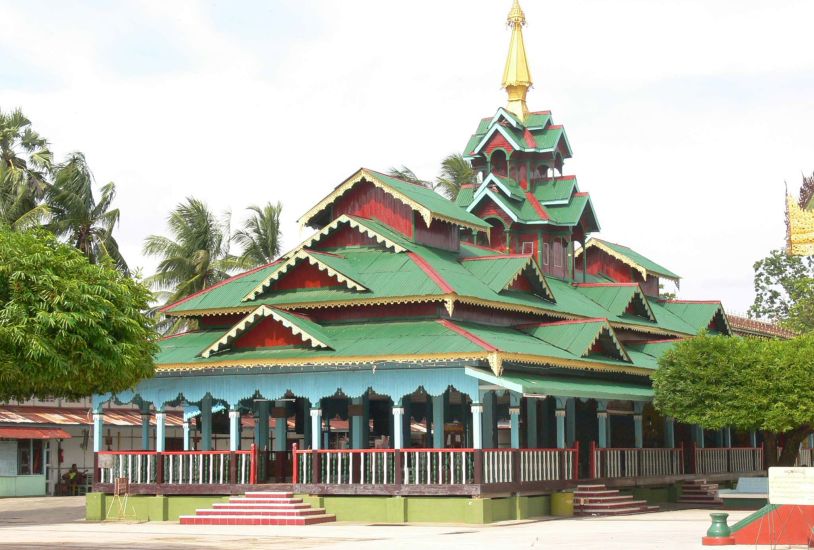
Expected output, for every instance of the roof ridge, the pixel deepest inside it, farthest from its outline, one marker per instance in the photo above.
(466, 334)
(219, 284)
(565, 322)
(496, 257)
(674, 301)
(589, 285)
(430, 271)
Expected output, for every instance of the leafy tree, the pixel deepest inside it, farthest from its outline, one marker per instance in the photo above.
(260, 236)
(745, 383)
(784, 290)
(455, 171)
(68, 328)
(197, 254)
(406, 174)
(76, 215)
(25, 162)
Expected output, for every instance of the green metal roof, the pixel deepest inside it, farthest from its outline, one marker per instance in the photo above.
(617, 297)
(697, 314)
(542, 384)
(574, 337)
(639, 259)
(497, 273)
(555, 190)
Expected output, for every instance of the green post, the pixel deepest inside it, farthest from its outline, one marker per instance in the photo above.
(571, 421)
(145, 428)
(280, 441)
(489, 420)
(602, 423)
(669, 432)
(261, 426)
(638, 436)
(514, 417)
(532, 434)
(359, 422)
(438, 420)
(206, 423)
(561, 418)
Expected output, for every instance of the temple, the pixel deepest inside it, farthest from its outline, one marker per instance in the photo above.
(488, 348)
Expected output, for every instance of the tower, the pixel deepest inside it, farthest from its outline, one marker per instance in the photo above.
(518, 156)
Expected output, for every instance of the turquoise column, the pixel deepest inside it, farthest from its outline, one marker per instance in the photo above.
(602, 423)
(234, 430)
(669, 433)
(477, 426)
(261, 426)
(187, 435)
(316, 428)
(514, 416)
(98, 429)
(532, 433)
(560, 415)
(145, 430)
(753, 439)
(571, 421)
(206, 423)
(360, 423)
(160, 430)
(810, 440)
(398, 427)
(438, 420)
(326, 434)
(280, 442)
(638, 436)
(489, 420)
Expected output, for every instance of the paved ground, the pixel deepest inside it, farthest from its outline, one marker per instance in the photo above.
(40, 523)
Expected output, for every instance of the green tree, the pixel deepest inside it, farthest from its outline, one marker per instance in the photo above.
(78, 217)
(68, 328)
(744, 383)
(25, 162)
(455, 171)
(260, 236)
(406, 174)
(196, 256)
(784, 290)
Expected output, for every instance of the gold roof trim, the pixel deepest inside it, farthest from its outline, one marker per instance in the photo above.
(354, 224)
(800, 229)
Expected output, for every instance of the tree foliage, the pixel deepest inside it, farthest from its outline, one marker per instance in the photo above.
(455, 171)
(68, 328)
(76, 215)
(260, 236)
(784, 290)
(745, 383)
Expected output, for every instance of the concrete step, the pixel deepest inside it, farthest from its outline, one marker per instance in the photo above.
(617, 512)
(704, 501)
(272, 505)
(609, 498)
(263, 512)
(243, 500)
(269, 494)
(589, 487)
(607, 492)
(612, 505)
(255, 520)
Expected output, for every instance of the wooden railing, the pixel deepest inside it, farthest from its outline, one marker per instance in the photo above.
(178, 467)
(635, 462)
(434, 466)
(805, 458)
(727, 460)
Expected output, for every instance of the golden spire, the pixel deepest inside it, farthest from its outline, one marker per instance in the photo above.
(516, 75)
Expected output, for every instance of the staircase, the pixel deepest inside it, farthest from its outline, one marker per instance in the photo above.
(598, 500)
(259, 508)
(701, 493)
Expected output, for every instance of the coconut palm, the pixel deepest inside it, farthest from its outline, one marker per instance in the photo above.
(406, 174)
(25, 161)
(260, 236)
(455, 171)
(76, 216)
(196, 256)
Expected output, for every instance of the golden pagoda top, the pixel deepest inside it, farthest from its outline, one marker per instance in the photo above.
(516, 75)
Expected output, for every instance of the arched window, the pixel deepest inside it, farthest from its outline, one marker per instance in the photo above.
(499, 163)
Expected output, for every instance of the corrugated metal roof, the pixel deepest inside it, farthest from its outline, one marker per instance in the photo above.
(33, 433)
(63, 416)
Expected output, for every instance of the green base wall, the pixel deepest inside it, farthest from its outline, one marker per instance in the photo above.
(431, 509)
(146, 508)
(22, 486)
(655, 495)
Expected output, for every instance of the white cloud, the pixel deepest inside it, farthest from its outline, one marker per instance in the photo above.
(685, 117)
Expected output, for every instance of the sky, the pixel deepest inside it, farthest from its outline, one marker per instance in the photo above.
(687, 118)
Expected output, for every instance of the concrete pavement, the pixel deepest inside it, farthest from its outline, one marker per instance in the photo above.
(40, 523)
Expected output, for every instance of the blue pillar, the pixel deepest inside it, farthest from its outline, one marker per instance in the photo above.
(571, 421)
(407, 423)
(234, 430)
(160, 430)
(532, 433)
(669, 433)
(560, 414)
(477, 426)
(261, 426)
(145, 429)
(187, 436)
(438, 420)
(638, 436)
(316, 428)
(810, 440)
(398, 426)
(206, 423)
(98, 429)
(280, 442)
(514, 416)
(360, 422)
(489, 420)
(602, 423)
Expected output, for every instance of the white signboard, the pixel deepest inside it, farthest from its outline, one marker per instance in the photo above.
(791, 486)
(8, 458)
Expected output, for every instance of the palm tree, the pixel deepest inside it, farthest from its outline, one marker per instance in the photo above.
(260, 236)
(455, 171)
(25, 162)
(406, 174)
(76, 216)
(196, 256)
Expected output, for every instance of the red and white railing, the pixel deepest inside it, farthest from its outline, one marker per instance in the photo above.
(805, 458)
(434, 466)
(728, 460)
(635, 462)
(178, 467)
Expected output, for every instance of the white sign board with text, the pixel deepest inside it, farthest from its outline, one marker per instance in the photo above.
(791, 486)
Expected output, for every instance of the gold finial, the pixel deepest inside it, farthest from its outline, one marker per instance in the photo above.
(516, 75)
